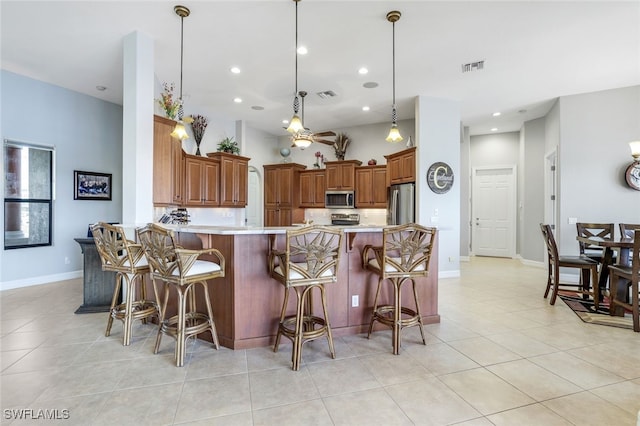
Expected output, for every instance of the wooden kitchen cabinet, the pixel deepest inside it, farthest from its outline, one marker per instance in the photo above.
(282, 194)
(201, 181)
(234, 177)
(167, 164)
(371, 187)
(341, 175)
(401, 167)
(312, 188)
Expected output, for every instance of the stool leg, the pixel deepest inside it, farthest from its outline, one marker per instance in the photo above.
(180, 343)
(420, 324)
(326, 321)
(114, 302)
(282, 315)
(397, 315)
(143, 292)
(297, 338)
(375, 308)
(212, 324)
(128, 308)
(163, 312)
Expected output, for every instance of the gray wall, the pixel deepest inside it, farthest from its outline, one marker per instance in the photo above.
(594, 153)
(87, 135)
(531, 190)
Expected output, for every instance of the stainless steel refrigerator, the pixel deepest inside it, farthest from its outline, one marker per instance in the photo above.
(401, 204)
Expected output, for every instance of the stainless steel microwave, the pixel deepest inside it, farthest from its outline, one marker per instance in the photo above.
(339, 200)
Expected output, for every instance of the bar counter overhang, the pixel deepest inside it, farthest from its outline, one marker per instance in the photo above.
(247, 301)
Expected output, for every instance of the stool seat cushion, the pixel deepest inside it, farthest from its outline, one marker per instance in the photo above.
(577, 260)
(199, 267)
(389, 267)
(141, 263)
(295, 275)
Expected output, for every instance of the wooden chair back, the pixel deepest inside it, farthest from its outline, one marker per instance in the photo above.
(602, 230)
(550, 243)
(626, 229)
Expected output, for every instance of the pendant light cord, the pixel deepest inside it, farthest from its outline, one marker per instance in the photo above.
(393, 60)
(181, 52)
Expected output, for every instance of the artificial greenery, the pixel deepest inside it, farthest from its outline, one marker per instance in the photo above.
(229, 145)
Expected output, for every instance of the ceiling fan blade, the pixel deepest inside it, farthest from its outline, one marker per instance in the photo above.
(324, 141)
(329, 133)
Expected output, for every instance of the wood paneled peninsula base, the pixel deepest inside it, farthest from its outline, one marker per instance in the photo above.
(247, 302)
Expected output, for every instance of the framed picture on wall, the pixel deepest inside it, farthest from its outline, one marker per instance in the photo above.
(91, 186)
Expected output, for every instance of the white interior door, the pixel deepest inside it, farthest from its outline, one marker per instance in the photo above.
(551, 189)
(254, 200)
(494, 211)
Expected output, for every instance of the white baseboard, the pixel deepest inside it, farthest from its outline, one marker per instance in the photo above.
(533, 263)
(45, 279)
(449, 274)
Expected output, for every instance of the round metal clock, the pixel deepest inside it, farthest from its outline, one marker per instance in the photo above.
(440, 177)
(632, 175)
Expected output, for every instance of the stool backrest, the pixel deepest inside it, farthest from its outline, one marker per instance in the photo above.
(406, 250)
(635, 256)
(626, 229)
(311, 255)
(160, 249)
(116, 252)
(602, 230)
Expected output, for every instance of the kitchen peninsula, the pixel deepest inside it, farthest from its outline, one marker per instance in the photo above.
(247, 301)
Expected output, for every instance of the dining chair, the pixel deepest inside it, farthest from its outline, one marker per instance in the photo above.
(181, 269)
(602, 230)
(309, 260)
(127, 260)
(632, 274)
(403, 257)
(588, 270)
(626, 229)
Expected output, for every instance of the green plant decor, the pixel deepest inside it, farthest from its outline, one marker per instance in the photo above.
(228, 145)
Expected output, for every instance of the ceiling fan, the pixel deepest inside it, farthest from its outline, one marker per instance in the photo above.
(307, 135)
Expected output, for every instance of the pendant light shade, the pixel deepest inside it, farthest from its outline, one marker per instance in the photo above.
(394, 133)
(179, 131)
(295, 124)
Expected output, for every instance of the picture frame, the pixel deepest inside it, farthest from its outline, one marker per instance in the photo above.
(92, 186)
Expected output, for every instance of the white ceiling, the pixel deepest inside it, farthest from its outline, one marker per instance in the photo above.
(533, 52)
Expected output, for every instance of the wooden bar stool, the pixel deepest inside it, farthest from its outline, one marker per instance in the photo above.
(181, 269)
(403, 257)
(126, 259)
(309, 261)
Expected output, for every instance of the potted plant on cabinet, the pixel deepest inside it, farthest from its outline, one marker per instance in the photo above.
(228, 145)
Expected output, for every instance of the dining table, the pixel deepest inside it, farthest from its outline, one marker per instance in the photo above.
(622, 245)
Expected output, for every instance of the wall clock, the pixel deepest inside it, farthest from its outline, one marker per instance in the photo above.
(440, 177)
(632, 175)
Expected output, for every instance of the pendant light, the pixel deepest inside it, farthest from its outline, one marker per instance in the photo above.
(394, 133)
(179, 131)
(295, 124)
(303, 138)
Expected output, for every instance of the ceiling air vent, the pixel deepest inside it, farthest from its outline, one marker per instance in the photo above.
(327, 94)
(473, 66)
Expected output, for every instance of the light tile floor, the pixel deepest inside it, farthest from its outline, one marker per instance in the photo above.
(500, 356)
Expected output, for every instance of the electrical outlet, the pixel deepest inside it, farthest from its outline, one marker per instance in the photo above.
(67, 260)
(355, 301)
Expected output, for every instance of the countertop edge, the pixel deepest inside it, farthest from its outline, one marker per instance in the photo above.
(249, 230)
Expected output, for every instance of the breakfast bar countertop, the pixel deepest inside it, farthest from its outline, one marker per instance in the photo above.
(261, 230)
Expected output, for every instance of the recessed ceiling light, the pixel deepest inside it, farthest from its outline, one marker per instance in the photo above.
(363, 71)
(101, 88)
(496, 114)
(237, 100)
(495, 129)
(235, 70)
(370, 84)
(302, 50)
(365, 108)
(285, 121)
(257, 107)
